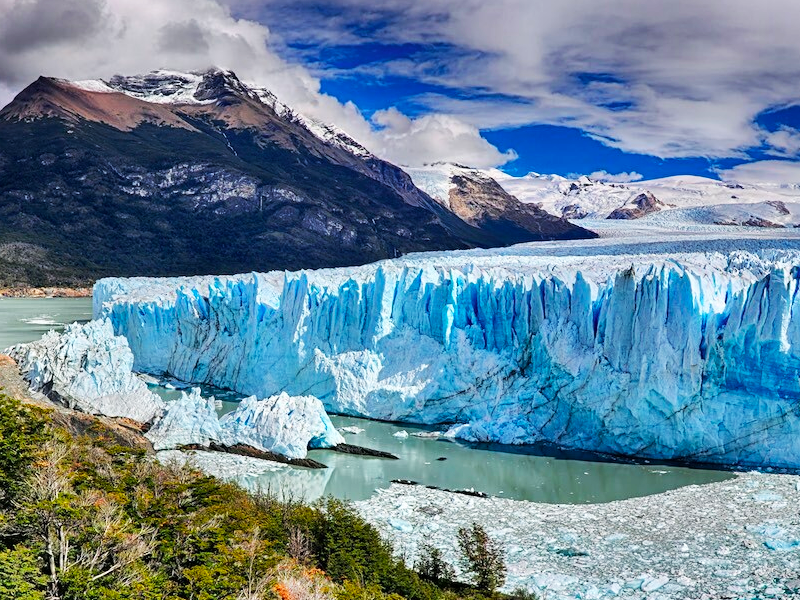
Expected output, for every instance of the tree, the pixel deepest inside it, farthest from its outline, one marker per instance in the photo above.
(481, 558)
(431, 565)
(20, 577)
(85, 536)
(22, 431)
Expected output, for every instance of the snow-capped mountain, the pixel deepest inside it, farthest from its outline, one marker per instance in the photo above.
(477, 198)
(673, 201)
(200, 172)
(197, 88)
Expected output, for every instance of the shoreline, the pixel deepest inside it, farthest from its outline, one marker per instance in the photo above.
(46, 292)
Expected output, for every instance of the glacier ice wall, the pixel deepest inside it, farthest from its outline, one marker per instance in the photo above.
(691, 356)
(88, 368)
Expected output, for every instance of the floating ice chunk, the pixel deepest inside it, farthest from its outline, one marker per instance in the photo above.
(90, 369)
(401, 525)
(352, 429)
(402, 434)
(190, 420)
(781, 545)
(767, 496)
(651, 584)
(428, 435)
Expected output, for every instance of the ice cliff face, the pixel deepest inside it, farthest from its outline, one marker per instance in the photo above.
(615, 349)
(190, 420)
(281, 424)
(88, 368)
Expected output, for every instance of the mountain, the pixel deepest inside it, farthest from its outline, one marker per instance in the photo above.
(637, 207)
(174, 173)
(671, 201)
(477, 198)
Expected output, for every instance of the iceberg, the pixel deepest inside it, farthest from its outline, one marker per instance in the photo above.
(87, 368)
(187, 421)
(281, 424)
(682, 349)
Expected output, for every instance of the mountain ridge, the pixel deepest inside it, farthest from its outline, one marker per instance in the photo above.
(103, 182)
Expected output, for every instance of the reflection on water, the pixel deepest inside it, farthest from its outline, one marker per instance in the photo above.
(506, 471)
(499, 471)
(495, 470)
(27, 319)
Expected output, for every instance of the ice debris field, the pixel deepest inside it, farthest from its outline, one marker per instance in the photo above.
(685, 348)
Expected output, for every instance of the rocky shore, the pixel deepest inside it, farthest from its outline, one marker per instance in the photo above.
(125, 432)
(45, 292)
(735, 539)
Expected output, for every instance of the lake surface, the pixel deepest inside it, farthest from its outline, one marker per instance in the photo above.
(27, 319)
(509, 472)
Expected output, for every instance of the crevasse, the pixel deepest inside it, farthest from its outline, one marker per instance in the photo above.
(693, 357)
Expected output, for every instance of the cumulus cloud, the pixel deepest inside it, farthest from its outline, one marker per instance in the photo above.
(615, 177)
(426, 139)
(670, 79)
(785, 172)
(84, 39)
(783, 142)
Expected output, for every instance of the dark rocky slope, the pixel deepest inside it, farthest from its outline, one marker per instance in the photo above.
(109, 183)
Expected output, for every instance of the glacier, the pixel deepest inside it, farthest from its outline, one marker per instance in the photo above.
(187, 421)
(687, 348)
(280, 424)
(87, 368)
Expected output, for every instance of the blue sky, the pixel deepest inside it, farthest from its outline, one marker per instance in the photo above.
(402, 54)
(540, 147)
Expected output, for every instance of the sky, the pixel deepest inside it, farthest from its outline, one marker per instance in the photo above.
(617, 89)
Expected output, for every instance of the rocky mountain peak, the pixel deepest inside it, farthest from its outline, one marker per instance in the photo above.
(175, 87)
(222, 86)
(641, 205)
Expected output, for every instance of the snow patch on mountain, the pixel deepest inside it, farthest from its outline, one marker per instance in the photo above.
(586, 198)
(436, 180)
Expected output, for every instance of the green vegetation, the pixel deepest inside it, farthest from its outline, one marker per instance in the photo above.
(482, 558)
(87, 519)
(432, 565)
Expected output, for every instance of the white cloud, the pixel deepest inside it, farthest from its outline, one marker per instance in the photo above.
(671, 79)
(783, 142)
(426, 139)
(615, 177)
(785, 172)
(84, 39)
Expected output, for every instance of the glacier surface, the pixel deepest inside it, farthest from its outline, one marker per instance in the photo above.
(87, 368)
(282, 424)
(687, 348)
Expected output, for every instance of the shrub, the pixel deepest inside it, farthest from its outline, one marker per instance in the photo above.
(22, 432)
(481, 558)
(431, 565)
(20, 576)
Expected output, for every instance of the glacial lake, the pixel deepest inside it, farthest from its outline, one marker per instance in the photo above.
(509, 472)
